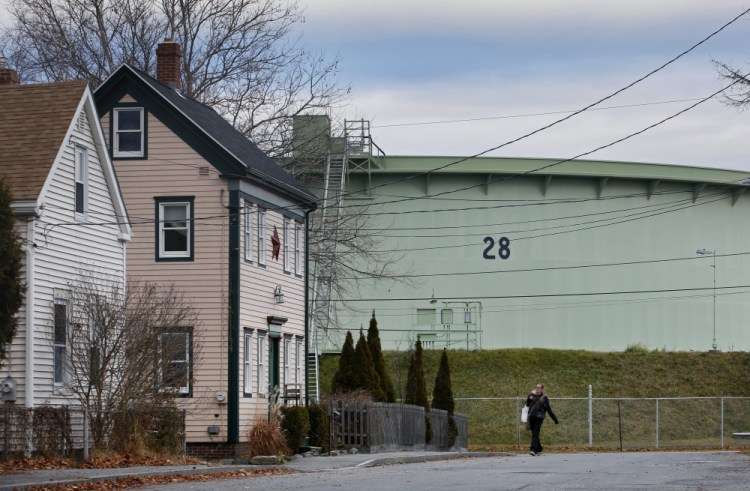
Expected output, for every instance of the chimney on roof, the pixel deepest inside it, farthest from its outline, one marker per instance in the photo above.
(8, 76)
(168, 56)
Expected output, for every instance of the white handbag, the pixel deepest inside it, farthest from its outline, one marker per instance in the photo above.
(525, 414)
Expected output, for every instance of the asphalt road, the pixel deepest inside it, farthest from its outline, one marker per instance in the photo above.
(619, 471)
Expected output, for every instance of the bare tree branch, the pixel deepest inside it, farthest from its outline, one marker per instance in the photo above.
(239, 56)
(739, 95)
(119, 352)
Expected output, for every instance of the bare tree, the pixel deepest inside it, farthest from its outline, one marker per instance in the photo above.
(345, 252)
(130, 348)
(240, 57)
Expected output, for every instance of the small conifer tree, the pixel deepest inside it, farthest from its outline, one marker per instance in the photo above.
(345, 378)
(373, 341)
(11, 286)
(416, 389)
(367, 377)
(442, 396)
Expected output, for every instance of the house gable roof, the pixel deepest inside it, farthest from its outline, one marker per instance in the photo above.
(34, 121)
(228, 150)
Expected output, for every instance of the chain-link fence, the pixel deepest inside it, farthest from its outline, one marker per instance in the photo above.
(67, 431)
(625, 423)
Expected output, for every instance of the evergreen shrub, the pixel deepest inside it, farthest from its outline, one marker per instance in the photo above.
(319, 426)
(295, 423)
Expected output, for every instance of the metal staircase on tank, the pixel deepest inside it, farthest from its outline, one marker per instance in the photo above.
(324, 268)
(352, 152)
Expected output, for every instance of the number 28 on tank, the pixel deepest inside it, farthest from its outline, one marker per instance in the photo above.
(503, 248)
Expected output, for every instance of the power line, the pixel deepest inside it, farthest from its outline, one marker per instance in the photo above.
(526, 115)
(545, 202)
(547, 166)
(615, 221)
(562, 268)
(527, 307)
(479, 234)
(547, 219)
(569, 116)
(541, 295)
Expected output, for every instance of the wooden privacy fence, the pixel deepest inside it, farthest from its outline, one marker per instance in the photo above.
(382, 426)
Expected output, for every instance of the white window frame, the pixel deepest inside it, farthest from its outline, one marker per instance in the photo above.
(185, 389)
(60, 347)
(285, 248)
(116, 131)
(261, 236)
(248, 371)
(298, 357)
(262, 349)
(248, 231)
(298, 248)
(287, 360)
(188, 227)
(81, 185)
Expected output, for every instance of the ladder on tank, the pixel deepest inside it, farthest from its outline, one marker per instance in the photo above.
(324, 269)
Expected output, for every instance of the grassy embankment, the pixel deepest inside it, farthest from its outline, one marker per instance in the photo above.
(511, 373)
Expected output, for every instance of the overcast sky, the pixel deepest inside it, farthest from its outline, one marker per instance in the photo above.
(504, 62)
(419, 61)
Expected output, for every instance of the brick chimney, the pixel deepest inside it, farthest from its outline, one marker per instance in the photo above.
(8, 76)
(168, 56)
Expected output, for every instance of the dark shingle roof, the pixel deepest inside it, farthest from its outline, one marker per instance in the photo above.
(223, 133)
(33, 122)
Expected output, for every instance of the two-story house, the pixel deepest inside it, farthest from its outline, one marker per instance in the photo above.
(219, 218)
(70, 216)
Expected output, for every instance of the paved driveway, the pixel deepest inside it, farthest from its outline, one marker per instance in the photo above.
(618, 471)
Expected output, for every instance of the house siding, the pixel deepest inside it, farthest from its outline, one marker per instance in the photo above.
(16, 361)
(173, 169)
(257, 285)
(66, 247)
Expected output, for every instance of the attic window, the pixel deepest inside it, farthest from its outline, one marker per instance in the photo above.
(128, 132)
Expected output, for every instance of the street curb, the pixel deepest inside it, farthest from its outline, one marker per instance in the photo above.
(127, 475)
(375, 462)
(428, 458)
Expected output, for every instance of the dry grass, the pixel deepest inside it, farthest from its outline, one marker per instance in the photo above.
(267, 438)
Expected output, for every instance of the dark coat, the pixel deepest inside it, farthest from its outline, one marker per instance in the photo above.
(539, 406)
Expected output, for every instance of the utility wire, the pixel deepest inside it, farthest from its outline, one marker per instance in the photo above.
(542, 295)
(561, 268)
(573, 114)
(530, 307)
(526, 115)
(615, 221)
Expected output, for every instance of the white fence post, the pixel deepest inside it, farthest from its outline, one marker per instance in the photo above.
(657, 422)
(722, 422)
(591, 417)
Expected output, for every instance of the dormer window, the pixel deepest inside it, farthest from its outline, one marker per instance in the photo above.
(128, 132)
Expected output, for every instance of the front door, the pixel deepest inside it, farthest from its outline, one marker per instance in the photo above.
(273, 365)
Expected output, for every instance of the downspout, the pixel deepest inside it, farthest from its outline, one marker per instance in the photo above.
(30, 320)
(307, 307)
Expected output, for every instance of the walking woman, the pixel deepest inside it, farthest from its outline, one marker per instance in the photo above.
(538, 405)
